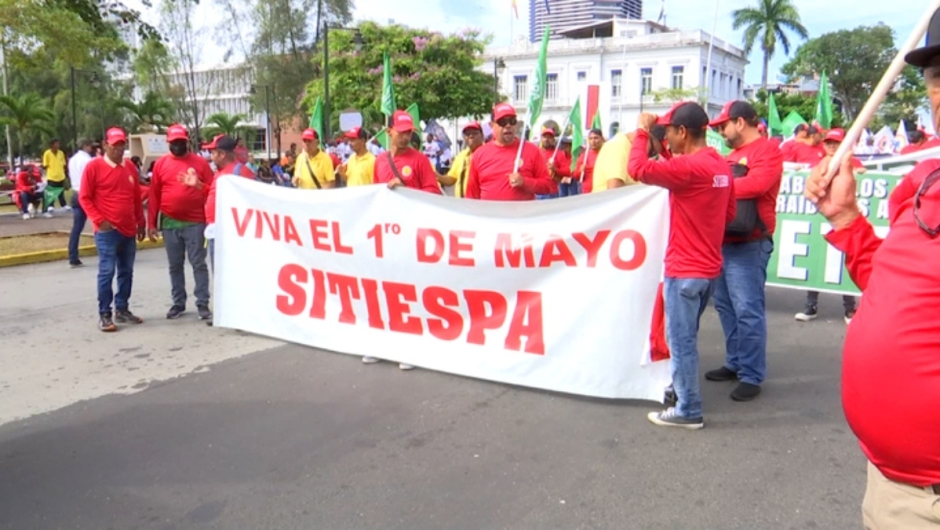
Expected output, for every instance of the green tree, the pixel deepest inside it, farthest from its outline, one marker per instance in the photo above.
(27, 114)
(769, 22)
(437, 72)
(672, 95)
(854, 60)
(152, 114)
(185, 38)
(803, 104)
(908, 97)
(225, 123)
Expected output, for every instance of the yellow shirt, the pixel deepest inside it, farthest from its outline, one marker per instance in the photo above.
(360, 170)
(611, 163)
(54, 164)
(321, 165)
(460, 170)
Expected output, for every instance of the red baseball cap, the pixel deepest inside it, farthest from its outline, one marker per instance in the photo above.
(835, 135)
(403, 122)
(685, 113)
(761, 127)
(115, 135)
(734, 110)
(354, 134)
(472, 125)
(309, 134)
(503, 110)
(176, 132)
(549, 131)
(221, 142)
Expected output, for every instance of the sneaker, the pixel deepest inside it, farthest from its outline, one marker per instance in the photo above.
(808, 314)
(669, 396)
(48, 215)
(204, 312)
(745, 392)
(669, 418)
(26, 217)
(369, 360)
(106, 324)
(175, 312)
(403, 366)
(124, 316)
(66, 208)
(721, 374)
(31, 209)
(849, 315)
(75, 264)
(209, 323)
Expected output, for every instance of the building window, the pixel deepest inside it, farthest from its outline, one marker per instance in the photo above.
(582, 76)
(678, 73)
(519, 88)
(551, 87)
(739, 88)
(646, 80)
(616, 83)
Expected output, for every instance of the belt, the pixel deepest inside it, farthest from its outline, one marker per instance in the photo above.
(935, 488)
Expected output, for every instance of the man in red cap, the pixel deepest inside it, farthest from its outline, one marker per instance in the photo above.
(701, 203)
(890, 362)
(584, 172)
(358, 170)
(110, 196)
(403, 165)
(459, 173)
(182, 212)
(558, 162)
(313, 169)
(757, 168)
(497, 175)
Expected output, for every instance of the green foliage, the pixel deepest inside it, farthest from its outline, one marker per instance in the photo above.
(224, 123)
(27, 113)
(854, 59)
(153, 114)
(437, 72)
(909, 96)
(804, 105)
(766, 26)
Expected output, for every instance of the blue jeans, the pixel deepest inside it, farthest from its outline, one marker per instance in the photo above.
(569, 190)
(116, 252)
(739, 299)
(685, 301)
(27, 198)
(78, 224)
(181, 243)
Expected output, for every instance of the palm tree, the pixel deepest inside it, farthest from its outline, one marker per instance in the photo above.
(150, 115)
(225, 123)
(27, 113)
(768, 21)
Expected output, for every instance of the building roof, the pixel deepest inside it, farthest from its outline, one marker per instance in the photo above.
(605, 28)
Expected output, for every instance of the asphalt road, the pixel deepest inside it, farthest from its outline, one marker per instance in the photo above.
(172, 425)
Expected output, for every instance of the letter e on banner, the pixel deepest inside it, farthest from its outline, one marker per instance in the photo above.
(449, 323)
(397, 296)
(457, 246)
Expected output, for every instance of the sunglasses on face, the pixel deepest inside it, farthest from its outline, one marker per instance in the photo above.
(924, 187)
(507, 122)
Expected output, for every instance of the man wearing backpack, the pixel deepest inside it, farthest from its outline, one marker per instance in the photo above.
(757, 165)
(314, 168)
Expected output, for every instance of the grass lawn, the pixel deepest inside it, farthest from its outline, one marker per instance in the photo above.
(35, 243)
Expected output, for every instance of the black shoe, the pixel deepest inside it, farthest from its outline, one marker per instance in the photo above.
(126, 317)
(745, 392)
(204, 313)
(106, 324)
(209, 323)
(809, 313)
(669, 396)
(76, 264)
(175, 312)
(721, 374)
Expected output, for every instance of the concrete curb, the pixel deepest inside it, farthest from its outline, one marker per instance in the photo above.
(62, 254)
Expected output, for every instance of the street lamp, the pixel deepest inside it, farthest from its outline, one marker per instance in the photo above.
(267, 116)
(95, 79)
(498, 66)
(357, 43)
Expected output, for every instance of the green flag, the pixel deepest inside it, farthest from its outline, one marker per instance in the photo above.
(537, 96)
(774, 125)
(388, 91)
(50, 194)
(415, 116)
(316, 118)
(382, 138)
(717, 141)
(824, 103)
(596, 123)
(791, 121)
(577, 132)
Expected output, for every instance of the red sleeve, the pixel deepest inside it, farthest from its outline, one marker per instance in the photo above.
(859, 243)
(473, 182)
(428, 177)
(562, 164)
(156, 188)
(857, 164)
(669, 174)
(765, 169)
(22, 182)
(540, 183)
(86, 194)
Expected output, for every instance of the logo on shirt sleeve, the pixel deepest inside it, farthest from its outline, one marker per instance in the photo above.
(720, 181)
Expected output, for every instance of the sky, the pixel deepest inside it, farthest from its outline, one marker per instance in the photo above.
(496, 17)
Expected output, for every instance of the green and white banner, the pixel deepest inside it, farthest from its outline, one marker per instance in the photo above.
(802, 258)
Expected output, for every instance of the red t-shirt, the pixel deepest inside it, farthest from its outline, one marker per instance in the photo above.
(492, 165)
(701, 204)
(590, 158)
(762, 182)
(243, 171)
(891, 357)
(173, 198)
(561, 164)
(803, 153)
(112, 193)
(25, 181)
(413, 166)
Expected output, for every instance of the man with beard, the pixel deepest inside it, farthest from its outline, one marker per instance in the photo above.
(458, 175)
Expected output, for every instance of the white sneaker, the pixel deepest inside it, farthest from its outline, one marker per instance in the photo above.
(403, 366)
(807, 315)
(50, 209)
(67, 208)
(48, 215)
(31, 209)
(26, 217)
(369, 360)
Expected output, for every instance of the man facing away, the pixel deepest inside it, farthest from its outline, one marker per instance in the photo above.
(701, 203)
(77, 164)
(110, 195)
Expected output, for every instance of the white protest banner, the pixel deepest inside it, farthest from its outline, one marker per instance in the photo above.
(556, 295)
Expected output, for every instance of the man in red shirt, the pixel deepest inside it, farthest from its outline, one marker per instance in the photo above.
(585, 169)
(917, 139)
(27, 187)
(805, 148)
(110, 195)
(757, 167)
(891, 359)
(558, 163)
(182, 211)
(495, 175)
(403, 165)
(701, 203)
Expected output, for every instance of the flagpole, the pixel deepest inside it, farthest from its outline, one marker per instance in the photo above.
(522, 141)
(708, 67)
(583, 165)
(558, 144)
(623, 78)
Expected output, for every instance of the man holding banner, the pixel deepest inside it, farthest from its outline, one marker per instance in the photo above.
(699, 187)
(459, 173)
(314, 168)
(403, 165)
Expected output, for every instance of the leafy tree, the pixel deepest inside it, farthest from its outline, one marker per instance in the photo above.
(803, 104)
(225, 123)
(672, 95)
(27, 113)
(437, 72)
(152, 114)
(768, 22)
(186, 40)
(909, 96)
(854, 60)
